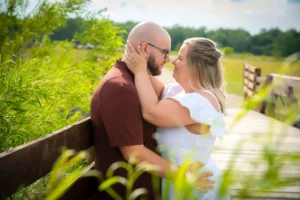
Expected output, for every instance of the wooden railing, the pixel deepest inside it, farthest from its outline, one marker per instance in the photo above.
(285, 88)
(28, 163)
(252, 80)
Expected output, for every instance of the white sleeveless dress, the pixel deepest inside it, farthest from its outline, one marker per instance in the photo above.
(178, 144)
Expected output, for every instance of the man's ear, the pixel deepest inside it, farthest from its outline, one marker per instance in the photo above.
(144, 50)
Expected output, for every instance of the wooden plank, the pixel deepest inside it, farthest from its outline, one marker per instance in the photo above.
(271, 195)
(255, 166)
(25, 164)
(248, 91)
(261, 79)
(251, 73)
(280, 90)
(292, 81)
(251, 68)
(251, 77)
(251, 85)
(254, 131)
(246, 74)
(284, 85)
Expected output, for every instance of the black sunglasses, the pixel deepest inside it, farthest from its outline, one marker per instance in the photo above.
(167, 52)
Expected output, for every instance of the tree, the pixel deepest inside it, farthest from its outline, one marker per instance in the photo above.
(227, 50)
(73, 25)
(19, 25)
(287, 43)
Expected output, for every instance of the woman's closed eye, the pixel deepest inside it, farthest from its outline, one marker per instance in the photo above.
(177, 59)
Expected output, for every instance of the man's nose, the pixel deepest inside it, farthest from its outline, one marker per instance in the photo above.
(167, 59)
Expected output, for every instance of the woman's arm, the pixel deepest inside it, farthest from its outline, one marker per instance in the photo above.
(166, 113)
(158, 87)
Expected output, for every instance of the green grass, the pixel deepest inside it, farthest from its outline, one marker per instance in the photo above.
(233, 69)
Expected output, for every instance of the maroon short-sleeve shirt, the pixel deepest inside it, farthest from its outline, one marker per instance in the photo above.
(117, 121)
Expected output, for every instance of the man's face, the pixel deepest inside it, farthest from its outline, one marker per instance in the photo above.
(157, 58)
(153, 66)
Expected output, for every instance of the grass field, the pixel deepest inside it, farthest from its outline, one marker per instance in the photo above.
(233, 69)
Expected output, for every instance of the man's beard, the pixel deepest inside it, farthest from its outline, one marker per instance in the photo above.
(153, 67)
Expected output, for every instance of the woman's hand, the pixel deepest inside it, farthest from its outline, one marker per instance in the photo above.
(135, 60)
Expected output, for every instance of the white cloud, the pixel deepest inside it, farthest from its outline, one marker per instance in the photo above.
(251, 15)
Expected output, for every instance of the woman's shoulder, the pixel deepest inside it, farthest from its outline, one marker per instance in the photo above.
(200, 99)
(202, 111)
(171, 90)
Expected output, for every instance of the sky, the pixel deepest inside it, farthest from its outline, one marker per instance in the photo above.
(251, 15)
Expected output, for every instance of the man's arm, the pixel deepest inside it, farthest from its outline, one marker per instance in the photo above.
(166, 168)
(143, 154)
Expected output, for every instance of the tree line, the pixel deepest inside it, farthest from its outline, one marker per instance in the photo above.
(272, 42)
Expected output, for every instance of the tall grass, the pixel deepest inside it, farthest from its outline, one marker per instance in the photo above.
(43, 94)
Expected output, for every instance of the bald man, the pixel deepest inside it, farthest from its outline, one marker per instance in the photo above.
(119, 129)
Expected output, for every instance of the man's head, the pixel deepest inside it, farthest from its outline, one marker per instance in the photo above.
(156, 42)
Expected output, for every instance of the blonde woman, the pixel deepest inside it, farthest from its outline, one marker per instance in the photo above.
(187, 107)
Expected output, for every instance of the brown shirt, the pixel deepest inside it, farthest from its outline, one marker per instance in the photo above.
(117, 121)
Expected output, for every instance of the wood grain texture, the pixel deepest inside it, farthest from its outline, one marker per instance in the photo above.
(25, 164)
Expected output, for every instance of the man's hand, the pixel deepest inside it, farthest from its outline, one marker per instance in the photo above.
(203, 183)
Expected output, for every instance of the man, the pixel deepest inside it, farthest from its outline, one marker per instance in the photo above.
(119, 129)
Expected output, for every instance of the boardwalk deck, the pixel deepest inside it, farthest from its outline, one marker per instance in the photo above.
(247, 140)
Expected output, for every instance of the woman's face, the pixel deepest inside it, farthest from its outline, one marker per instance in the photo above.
(181, 70)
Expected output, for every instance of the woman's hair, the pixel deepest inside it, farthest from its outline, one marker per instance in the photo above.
(204, 64)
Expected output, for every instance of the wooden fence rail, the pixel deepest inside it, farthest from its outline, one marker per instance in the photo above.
(285, 88)
(252, 79)
(25, 164)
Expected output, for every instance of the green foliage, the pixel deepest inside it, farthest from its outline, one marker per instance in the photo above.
(73, 25)
(127, 27)
(101, 33)
(47, 92)
(133, 173)
(227, 51)
(179, 34)
(19, 26)
(50, 86)
(66, 170)
(271, 42)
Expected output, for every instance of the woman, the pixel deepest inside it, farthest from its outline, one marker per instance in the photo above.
(196, 101)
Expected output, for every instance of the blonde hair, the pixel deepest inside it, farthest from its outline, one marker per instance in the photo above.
(204, 65)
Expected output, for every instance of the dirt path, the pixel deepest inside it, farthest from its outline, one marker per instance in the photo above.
(232, 100)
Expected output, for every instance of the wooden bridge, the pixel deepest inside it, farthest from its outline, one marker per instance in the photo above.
(254, 149)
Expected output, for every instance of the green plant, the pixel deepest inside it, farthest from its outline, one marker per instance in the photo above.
(227, 50)
(68, 168)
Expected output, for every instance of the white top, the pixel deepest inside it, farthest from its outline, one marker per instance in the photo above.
(177, 144)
